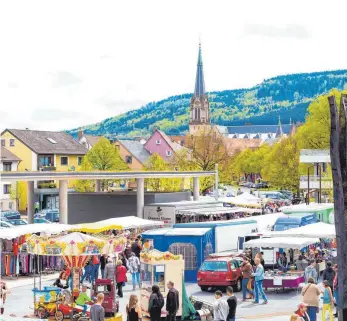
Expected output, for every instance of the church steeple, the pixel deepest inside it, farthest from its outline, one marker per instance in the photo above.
(199, 80)
(279, 130)
(199, 104)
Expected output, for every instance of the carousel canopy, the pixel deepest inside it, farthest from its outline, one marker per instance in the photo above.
(17, 231)
(73, 244)
(282, 242)
(118, 223)
(320, 230)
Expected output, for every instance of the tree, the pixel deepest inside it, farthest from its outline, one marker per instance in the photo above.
(281, 165)
(338, 154)
(157, 164)
(102, 157)
(17, 192)
(315, 133)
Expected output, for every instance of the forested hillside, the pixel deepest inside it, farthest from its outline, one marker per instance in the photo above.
(287, 96)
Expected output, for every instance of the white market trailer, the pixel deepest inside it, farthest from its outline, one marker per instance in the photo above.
(166, 212)
(226, 234)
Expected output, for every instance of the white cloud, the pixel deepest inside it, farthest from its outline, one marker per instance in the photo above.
(83, 61)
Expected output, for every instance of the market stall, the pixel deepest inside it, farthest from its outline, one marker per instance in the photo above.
(195, 244)
(159, 268)
(213, 214)
(320, 230)
(244, 200)
(290, 279)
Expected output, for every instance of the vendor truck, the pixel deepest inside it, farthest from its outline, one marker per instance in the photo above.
(225, 233)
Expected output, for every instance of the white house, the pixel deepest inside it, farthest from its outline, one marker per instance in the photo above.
(88, 141)
(8, 162)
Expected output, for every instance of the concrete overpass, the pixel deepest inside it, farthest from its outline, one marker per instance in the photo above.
(64, 177)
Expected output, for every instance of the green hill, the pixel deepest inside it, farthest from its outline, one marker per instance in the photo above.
(287, 96)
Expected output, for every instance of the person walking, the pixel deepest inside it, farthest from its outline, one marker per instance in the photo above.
(172, 302)
(110, 269)
(220, 307)
(121, 277)
(133, 309)
(134, 269)
(328, 301)
(232, 303)
(136, 248)
(97, 311)
(329, 275)
(311, 293)
(88, 270)
(311, 272)
(258, 284)
(103, 262)
(156, 303)
(302, 312)
(246, 269)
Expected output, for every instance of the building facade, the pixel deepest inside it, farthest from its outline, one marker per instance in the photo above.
(8, 163)
(43, 151)
(88, 141)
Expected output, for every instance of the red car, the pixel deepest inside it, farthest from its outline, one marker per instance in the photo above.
(220, 272)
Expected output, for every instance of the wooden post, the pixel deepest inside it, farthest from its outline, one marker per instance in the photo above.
(338, 154)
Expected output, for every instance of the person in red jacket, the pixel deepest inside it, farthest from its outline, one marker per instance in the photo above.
(121, 277)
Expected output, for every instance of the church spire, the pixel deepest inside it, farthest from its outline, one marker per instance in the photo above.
(199, 79)
(279, 131)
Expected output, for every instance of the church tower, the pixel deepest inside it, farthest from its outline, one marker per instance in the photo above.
(199, 105)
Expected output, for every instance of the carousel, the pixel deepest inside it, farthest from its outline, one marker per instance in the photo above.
(76, 249)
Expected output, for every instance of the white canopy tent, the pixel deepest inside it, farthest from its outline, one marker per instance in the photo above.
(243, 199)
(47, 228)
(118, 223)
(217, 210)
(320, 230)
(282, 242)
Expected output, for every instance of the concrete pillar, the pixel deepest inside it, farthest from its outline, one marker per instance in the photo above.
(63, 201)
(30, 206)
(196, 188)
(140, 186)
(98, 185)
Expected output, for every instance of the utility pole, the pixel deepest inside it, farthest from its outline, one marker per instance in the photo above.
(338, 154)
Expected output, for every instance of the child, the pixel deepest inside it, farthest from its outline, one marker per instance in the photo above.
(294, 317)
(83, 298)
(328, 301)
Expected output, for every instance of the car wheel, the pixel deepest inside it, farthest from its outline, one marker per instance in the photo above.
(41, 312)
(204, 288)
(59, 315)
(238, 285)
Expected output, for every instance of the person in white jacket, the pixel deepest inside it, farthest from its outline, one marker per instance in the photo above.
(220, 308)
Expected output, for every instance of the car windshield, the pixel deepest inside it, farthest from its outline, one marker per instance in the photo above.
(216, 266)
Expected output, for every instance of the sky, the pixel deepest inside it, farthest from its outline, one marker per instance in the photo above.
(64, 64)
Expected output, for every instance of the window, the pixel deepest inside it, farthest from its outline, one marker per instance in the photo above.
(11, 142)
(64, 160)
(51, 140)
(46, 160)
(7, 167)
(214, 266)
(158, 141)
(129, 159)
(3, 143)
(7, 188)
(189, 253)
(10, 205)
(168, 153)
(146, 275)
(79, 160)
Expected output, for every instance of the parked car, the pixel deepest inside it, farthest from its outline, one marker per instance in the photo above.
(5, 224)
(10, 215)
(18, 222)
(52, 216)
(41, 220)
(220, 272)
(287, 194)
(248, 184)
